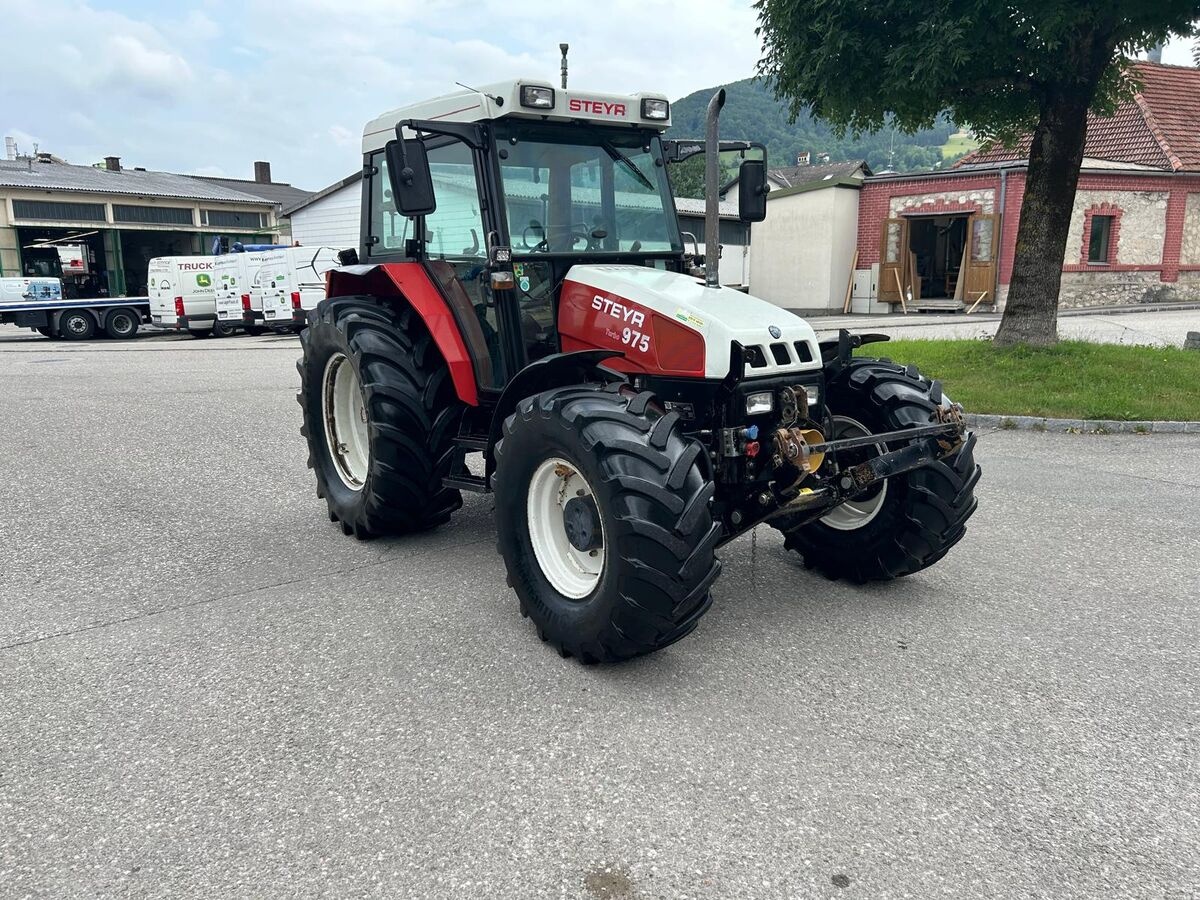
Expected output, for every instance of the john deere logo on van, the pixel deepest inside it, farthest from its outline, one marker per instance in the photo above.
(203, 280)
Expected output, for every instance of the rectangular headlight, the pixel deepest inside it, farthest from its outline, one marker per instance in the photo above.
(655, 109)
(537, 97)
(759, 403)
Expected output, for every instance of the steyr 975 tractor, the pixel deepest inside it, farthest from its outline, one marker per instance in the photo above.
(522, 291)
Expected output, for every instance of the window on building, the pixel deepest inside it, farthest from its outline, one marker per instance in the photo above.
(226, 218)
(61, 212)
(1098, 243)
(152, 215)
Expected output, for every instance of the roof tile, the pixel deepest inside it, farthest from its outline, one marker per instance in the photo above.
(1157, 128)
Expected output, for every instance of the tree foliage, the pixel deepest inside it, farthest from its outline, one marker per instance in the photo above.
(989, 65)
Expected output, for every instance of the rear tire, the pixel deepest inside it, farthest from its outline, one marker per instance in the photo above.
(914, 519)
(367, 360)
(76, 325)
(223, 329)
(121, 324)
(649, 488)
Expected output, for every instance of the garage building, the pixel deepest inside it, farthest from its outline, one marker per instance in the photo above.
(123, 217)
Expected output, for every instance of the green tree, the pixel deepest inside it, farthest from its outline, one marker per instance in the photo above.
(1001, 68)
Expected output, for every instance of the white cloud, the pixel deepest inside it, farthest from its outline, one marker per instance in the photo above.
(211, 85)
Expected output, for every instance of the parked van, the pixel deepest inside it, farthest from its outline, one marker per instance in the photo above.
(236, 299)
(293, 282)
(181, 293)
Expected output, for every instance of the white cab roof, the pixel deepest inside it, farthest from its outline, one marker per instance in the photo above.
(503, 99)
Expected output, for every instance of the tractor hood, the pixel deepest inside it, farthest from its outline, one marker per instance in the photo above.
(666, 323)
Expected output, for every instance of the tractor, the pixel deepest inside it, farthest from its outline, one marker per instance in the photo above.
(523, 292)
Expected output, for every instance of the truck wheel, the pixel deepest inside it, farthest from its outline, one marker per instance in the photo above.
(907, 523)
(46, 331)
(223, 329)
(380, 417)
(604, 521)
(76, 325)
(121, 324)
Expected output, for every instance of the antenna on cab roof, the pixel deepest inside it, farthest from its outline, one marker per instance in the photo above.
(564, 48)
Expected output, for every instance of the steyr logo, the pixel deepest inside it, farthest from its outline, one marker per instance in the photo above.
(775, 332)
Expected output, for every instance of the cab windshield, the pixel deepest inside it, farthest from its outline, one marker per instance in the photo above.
(585, 189)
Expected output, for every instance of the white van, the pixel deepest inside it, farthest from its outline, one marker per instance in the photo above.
(29, 290)
(293, 282)
(181, 293)
(237, 295)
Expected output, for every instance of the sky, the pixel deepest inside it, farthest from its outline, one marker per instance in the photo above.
(209, 86)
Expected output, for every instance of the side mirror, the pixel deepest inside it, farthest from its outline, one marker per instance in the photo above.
(412, 183)
(752, 190)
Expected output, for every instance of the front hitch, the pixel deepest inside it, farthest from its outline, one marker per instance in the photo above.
(925, 444)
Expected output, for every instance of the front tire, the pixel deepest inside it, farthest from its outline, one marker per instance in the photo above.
(604, 521)
(907, 523)
(380, 417)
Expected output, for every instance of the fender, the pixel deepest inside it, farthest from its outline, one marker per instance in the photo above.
(549, 372)
(410, 282)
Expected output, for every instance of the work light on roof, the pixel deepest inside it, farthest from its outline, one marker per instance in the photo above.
(655, 109)
(537, 97)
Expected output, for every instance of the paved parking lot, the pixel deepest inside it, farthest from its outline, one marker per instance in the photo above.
(208, 690)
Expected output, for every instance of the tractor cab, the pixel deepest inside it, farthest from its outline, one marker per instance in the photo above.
(500, 193)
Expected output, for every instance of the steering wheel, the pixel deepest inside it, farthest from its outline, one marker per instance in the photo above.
(541, 245)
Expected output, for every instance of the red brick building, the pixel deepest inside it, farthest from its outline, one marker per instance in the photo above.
(1135, 229)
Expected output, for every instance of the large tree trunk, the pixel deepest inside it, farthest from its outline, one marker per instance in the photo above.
(1031, 313)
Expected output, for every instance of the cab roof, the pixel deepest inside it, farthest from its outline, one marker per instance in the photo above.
(503, 100)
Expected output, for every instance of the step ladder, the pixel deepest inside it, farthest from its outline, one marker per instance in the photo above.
(460, 476)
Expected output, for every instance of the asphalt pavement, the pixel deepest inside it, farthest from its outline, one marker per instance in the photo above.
(207, 690)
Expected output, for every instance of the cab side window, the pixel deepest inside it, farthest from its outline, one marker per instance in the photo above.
(388, 228)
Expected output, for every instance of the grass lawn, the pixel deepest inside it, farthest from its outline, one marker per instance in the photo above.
(958, 144)
(1073, 380)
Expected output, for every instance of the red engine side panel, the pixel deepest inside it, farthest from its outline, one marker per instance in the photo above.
(410, 281)
(591, 319)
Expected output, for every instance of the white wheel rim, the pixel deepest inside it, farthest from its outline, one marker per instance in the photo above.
(855, 514)
(572, 572)
(345, 415)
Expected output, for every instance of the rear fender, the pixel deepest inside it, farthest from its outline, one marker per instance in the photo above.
(550, 372)
(408, 281)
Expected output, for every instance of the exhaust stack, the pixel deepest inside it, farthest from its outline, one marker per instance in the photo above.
(712, 187)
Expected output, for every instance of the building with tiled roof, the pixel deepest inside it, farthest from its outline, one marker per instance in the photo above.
(946, 239)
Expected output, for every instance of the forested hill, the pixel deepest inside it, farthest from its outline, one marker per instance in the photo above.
(752, 113)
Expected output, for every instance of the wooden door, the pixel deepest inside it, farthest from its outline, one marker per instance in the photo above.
(893, 260)
(982, 236)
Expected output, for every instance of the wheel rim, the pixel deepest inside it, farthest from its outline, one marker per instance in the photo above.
(857, 513)
(76, 324)
(122, 323)
(345, 414)
(572, 572)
